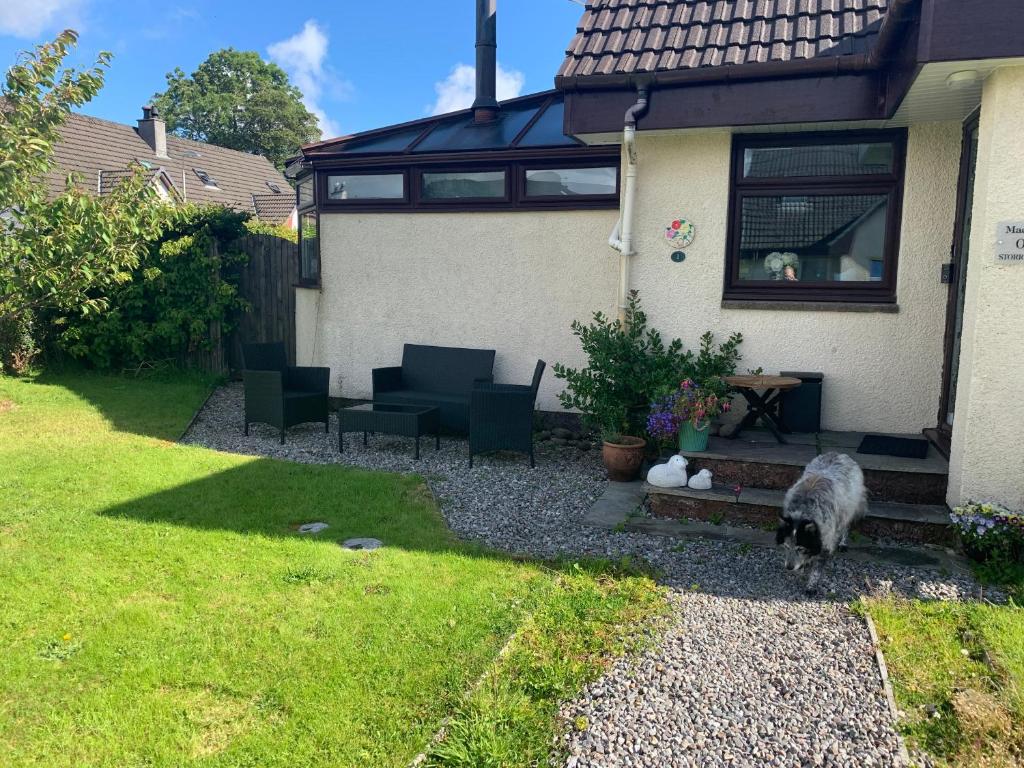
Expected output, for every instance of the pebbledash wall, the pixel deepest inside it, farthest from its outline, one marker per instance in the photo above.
(987, 456)
(883, 371)
(515, 282)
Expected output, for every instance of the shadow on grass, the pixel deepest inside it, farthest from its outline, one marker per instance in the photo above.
(269, 497)
(159, 404)
(272, 498)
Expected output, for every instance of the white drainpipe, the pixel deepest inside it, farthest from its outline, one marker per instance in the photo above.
(622, 236)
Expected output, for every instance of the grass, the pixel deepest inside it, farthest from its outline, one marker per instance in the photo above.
(159, 608)
(510, 717)
(958, 675)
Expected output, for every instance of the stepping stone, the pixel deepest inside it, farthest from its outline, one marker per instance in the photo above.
(362, 544)
(312, 527)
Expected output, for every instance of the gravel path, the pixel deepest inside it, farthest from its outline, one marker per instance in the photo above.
(750, 672)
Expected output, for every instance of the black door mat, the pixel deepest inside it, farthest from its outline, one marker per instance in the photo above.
(904, 447)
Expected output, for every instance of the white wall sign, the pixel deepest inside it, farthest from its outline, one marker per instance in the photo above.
(1010, 242)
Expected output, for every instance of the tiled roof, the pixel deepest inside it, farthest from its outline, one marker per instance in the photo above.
(110, 179)
(629, 36)
(818, 160)
(783, 223)
(273, 208)
(91, 146)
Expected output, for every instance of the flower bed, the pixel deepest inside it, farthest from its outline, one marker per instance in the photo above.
(990, 534)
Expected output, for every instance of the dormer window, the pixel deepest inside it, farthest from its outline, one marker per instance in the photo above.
(208, 181)
(275, 188)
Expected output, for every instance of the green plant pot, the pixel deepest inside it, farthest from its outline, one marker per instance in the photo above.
(693, 439)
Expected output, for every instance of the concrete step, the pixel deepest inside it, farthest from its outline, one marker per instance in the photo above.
(773, 466)
(914, 523)
(929, 557)
(619, 508)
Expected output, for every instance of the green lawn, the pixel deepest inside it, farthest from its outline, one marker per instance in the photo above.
(158, 609)
(958, 674)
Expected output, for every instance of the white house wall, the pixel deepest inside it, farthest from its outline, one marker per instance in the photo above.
(513, 282)
(986, 459)
(882, 371)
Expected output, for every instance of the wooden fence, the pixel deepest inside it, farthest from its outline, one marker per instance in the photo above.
(267, 281)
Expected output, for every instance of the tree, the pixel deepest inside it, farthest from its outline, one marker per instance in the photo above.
(59, 254)
(237, 100)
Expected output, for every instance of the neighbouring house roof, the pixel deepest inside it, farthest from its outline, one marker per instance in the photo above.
(108, 180)
(525, 123)
(840, 159)
(100, 153)
(794, 223)
(635, 36)
(273, 207)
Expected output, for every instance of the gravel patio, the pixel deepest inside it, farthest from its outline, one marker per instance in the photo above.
(750, 671)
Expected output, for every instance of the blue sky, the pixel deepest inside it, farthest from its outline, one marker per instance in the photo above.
(362, 64)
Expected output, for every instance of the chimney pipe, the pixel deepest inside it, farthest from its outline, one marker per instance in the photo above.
(153, 131)
(485, 108)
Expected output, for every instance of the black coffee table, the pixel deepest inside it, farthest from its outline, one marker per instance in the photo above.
(390, 419)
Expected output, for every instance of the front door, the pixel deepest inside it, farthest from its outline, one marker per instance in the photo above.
(958, 283)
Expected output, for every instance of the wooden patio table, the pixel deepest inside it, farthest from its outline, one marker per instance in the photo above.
(764, 396)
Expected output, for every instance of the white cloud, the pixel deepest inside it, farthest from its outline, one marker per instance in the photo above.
(458, 90)
(303, 57)
(29, 18)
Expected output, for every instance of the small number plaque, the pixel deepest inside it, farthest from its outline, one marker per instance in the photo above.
(1010, 242)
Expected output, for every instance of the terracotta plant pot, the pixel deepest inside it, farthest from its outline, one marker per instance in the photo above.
(622, 459)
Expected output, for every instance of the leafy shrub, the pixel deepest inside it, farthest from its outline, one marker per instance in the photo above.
(184, 282)
(58, 254)
(257, 227)
(993, 536)
(629, 365)
(712, 364)
(18, 345)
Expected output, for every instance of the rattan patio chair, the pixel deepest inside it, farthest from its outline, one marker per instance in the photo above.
(501, 416)
(279, 394)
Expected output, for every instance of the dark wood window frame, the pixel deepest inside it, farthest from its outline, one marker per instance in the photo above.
(459, 202)
(523, 167)
(891, 185)
(298, 191)
(304, 281)
(321, 187)
(514, 163)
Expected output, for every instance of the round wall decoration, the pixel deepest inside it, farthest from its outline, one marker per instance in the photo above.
(679, 234)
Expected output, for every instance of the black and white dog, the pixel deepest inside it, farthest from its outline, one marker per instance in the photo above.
(818, 511)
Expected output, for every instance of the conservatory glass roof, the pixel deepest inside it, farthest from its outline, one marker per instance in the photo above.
(527, 122)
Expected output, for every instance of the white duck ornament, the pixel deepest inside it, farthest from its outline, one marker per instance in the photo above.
(671, 475)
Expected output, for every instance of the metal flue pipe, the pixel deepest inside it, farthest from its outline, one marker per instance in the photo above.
(485, 108)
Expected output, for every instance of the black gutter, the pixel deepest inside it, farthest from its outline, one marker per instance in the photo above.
(637, 111)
